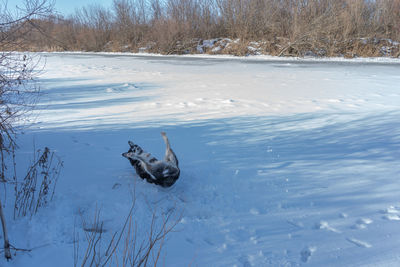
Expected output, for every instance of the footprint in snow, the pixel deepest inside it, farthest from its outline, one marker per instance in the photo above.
(306, 253)
(362, 223)
(392, 217)
(359, 243)
(209, 241)
(392, 213)
(254, 240)
(323, 225)
(298, 224)
(244, 260)
(116, 186)
(254, 211)
(222, 248)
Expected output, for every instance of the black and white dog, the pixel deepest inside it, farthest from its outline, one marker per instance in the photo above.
(161, 172)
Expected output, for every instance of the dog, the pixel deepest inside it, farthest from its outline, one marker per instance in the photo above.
(160, 172)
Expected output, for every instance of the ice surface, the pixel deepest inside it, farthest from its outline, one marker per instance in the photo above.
(283, 163)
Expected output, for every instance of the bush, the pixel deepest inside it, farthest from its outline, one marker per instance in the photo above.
(290, 27)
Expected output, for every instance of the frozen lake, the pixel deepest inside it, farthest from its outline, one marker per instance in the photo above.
(283, 163)
(113, 89)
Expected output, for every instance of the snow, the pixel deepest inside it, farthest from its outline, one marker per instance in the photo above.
(283, 162)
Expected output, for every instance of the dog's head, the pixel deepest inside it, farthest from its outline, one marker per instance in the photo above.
(128, 155)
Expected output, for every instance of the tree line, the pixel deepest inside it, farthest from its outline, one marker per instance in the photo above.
(281, 27)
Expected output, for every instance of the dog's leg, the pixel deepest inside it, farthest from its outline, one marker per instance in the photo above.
(169, 154)
(146, 166)
(137, 150)
(131, 144)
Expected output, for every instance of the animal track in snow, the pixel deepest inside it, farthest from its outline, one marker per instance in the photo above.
(391, 213)
(306, 253)
(323, 225)
(359, 243)
(392, 217)
(222, 248)
(391, 209)
(254, 239)
(362, 223)
(254, 211)
(297, 224)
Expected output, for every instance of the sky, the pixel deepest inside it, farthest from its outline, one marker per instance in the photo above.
(65, 7)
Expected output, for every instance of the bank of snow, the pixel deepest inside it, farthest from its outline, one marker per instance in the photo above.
(259, 57)
(284, 163)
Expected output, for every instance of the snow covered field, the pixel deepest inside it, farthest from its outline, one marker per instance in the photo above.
(283, 163)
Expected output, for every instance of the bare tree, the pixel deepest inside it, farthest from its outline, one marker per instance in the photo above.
(94, 23)
(130, 21)
(17, 90)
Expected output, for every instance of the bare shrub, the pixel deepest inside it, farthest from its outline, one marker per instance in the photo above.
(17, 91)
(124, 247)
(39, 184)
(168, 35)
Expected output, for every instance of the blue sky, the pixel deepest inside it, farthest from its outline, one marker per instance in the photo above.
(66, 7)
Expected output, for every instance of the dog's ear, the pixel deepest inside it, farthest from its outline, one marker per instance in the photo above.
(131, 144)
